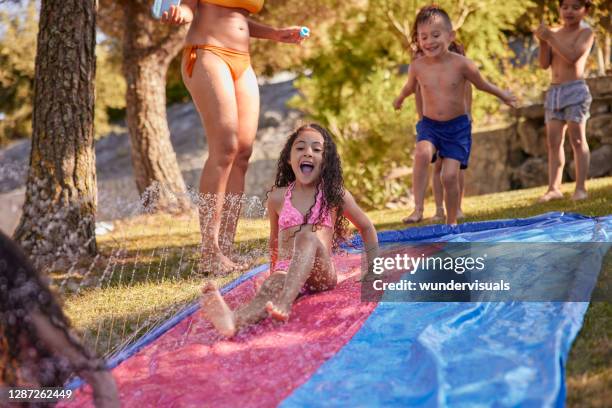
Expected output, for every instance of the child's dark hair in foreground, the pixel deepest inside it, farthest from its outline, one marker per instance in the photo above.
(37, 347)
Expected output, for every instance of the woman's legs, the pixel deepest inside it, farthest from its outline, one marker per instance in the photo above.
(247, 98)
(212, 89)
(582, 157)
(555, 135)
(310, 263)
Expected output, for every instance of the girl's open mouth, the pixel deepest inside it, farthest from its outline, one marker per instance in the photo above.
(306, 168)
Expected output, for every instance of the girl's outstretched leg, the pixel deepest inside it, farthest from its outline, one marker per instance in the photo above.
(216, 311)
(255, 310)
(228, 322)
(310, 262)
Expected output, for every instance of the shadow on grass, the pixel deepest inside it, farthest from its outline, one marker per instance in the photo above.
(112, 333)
(589, 375)
(119, 267)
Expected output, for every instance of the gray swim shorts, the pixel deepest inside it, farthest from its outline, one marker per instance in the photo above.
(568, 102)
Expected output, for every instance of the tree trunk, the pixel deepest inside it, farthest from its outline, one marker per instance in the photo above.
(601, 65)
(145, 64)
(58, 220)
(607, 49)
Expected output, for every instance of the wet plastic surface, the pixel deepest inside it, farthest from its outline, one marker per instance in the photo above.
(405, 354)
(461, 354)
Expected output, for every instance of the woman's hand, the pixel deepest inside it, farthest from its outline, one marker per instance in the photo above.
(174, 15)
(289, 35)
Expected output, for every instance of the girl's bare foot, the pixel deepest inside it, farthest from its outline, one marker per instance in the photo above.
(580, 195)
(460, 214)
(550, 195)
(216, 311)
(416, 216)
(276, 312)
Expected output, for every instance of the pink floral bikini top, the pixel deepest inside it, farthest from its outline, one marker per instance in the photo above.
(291, 217)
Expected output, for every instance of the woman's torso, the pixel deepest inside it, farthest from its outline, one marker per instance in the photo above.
(219, 26)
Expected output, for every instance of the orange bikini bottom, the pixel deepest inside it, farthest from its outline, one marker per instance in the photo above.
(237, 61)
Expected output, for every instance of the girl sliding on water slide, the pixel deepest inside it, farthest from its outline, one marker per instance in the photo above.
(307, 207)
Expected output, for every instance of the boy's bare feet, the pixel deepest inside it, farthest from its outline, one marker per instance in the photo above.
(439, 215)
(460, 214)
(416, 216)
(216, 311)
(580, 195)
(276, 312)
(550, 195)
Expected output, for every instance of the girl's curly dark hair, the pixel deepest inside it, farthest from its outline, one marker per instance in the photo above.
(425, 15)
(23, 291)
(332, 181)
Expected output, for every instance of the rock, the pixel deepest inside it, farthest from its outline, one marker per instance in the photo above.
(600, 165)
(516, 157)
(488, 168)
(601, 162)
(601, 106)
(533, 172)
(532, 137)
(532, 112)
(270, 119)
(600, 127)
(600, 86)
(11, 203)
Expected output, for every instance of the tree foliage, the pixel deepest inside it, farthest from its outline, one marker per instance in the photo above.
(17, 53)
(355, 77)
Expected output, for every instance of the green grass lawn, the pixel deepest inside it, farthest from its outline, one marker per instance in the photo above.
(147, 271)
